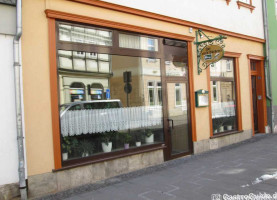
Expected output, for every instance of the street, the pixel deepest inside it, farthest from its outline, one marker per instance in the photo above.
(240, 169)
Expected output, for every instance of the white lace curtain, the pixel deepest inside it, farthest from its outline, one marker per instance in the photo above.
(223, 109)
(115, 119)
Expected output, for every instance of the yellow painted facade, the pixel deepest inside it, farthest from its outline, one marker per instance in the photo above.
(36, 81)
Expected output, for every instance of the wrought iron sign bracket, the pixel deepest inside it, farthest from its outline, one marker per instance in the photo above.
(208, 57)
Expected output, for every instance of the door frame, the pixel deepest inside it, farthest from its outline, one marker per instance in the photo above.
(261, 105)
(190, 105)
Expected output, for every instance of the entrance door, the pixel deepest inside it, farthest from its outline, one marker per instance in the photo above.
(258, 96)
(177, 123)
(178, 118)
(254, 100)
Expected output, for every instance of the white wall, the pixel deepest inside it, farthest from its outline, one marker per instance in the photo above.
(213, 13)
(8, 137)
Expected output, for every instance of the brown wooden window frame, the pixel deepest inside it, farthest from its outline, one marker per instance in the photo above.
(235, 57)
(114, 50)
(52, 17)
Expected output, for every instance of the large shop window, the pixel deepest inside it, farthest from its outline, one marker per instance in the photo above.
(223, 93)
(97, 114)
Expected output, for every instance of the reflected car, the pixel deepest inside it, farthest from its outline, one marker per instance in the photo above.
(88, 105)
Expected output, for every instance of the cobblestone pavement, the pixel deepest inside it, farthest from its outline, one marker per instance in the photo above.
(244, 168)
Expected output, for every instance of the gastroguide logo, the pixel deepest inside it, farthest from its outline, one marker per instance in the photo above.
(251, 196)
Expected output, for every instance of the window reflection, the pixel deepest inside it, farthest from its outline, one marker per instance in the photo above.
(223, 68)
(138, 42)
(176, 62)
(223, 94)
(84, 61)
(94, 112)
(84, 35)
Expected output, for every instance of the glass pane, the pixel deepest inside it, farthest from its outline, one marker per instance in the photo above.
(85, 35)
(178, 95)
(90, 36)
(223, 68)
(91, 56)
(96, 114)
(151, 96)
(138, 42)
(104, 57)
(224, 108)
(92, 65)
(65, 32)
(179, 116)
(65, 59)
(104, 67)
(175, 60)
(78, 34)
(159, 88)
(79, 60)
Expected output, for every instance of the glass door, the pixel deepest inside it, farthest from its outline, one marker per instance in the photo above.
(178, 118)
(177, 109)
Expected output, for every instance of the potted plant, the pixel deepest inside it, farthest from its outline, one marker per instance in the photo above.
(138, 138)
(68, 143)
(86, 148)
(106, 141)
(126, 138)
(149, 137)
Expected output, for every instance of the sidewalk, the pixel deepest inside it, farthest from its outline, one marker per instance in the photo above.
(244, 168)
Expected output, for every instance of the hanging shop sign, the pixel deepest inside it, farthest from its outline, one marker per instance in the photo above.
(209, 51)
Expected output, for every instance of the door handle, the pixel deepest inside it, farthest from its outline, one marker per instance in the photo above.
(172, 123)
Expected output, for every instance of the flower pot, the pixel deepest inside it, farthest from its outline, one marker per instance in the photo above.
(107, 148)
(215, 131)
(65, 156)
(149, 139)
(85, 154)
(229, 127)
(221, 129)
(138, 144)
(126, 146)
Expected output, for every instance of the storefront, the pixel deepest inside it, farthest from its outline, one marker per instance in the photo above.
(122, 90)
(121, 93)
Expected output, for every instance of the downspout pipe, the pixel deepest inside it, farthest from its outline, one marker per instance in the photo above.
(267, 63)
(17, 79)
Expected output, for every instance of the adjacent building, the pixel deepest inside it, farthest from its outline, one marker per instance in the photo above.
(272, 41)
(8, 136)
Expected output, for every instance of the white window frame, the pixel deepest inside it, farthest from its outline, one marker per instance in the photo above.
(155, 88)
(216, 89)
(178, 87)
(157, 92)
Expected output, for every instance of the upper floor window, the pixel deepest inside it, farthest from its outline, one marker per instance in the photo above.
(246, 4)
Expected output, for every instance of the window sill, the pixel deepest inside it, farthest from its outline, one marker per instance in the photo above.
(249, 6)
(112, 155)
(225, 134)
